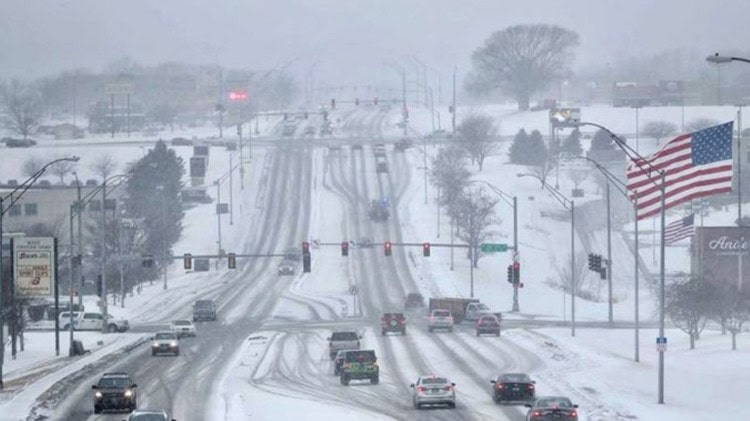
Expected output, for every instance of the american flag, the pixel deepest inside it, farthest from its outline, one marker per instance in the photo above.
(677, 230)
(696, 165)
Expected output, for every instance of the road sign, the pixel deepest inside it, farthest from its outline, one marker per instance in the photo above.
(222, 208)
(354, 290)
(493, 247)
(34, 265)
(119, 88)
(661, 344)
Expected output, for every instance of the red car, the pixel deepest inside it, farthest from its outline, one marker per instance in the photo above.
(488, 324)
(393, 322)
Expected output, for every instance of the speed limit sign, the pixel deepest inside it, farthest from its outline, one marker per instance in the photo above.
(354, 290)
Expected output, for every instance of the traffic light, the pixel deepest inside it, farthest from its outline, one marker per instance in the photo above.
(603, 274)
(344, 248)
(510, 274)
(516, 272)
(356, 101)
(286, 116)
(306, 262)
(306, 115)
(333, 103)
(387, 248)
(187, 261)
(232, 261)
(306, 258)
(375, 100)
(426, 249)
(99, 286)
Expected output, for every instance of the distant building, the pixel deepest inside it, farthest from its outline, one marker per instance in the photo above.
(67, 131)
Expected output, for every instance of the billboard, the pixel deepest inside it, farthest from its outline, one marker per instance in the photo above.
(34, 266)
(198, 166)
(722, 254)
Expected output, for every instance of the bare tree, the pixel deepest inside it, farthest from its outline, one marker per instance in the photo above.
(104, 166)
(449, 173)
(23, 107)
(658, 130)
(688, 306)
(475, 134)
(576, 277)
(62, 168)
(544, 169)
(577, 176)
(474, 213)
(700, 124)
(32, 165)
(731, 308)
(522, 60)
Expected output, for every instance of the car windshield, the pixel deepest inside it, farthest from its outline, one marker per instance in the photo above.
(344, 336)
(165, 336)
(441, 313)
(481, 306)
(114, 382)
(204, 304)
(360, 356)
(554, 403)
(434, 380)
(515, 378)
(182, 323)
(147, 417)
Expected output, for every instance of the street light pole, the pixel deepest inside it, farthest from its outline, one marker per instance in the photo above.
(71, 267)
(105, 302)
(516, 307)
(609, 259)
(80, 244)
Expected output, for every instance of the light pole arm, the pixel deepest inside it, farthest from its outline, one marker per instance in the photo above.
(505, 196)
(619, 184)
(29, 182)
(564, 201)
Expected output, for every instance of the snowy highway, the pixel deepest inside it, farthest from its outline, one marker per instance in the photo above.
(253, 304)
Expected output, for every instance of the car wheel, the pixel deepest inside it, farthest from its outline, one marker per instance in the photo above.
(345, 380)
(66, 327)
(403, 332)
(375, 380)
(97, 410)
(112, 328)
(452, 405)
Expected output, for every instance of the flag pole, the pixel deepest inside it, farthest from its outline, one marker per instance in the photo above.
(739, 166)
(661, 286)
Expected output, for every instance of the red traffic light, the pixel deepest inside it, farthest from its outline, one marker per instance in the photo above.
(305, 247)
(426, 249)
(516, 265)
(345, 248)
(387, 248)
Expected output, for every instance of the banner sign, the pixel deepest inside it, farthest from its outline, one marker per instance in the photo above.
(722, 254)
(34, 266)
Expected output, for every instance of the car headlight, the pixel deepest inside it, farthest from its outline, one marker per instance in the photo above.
(155, 344)
(128, 393)
(98, 394)
(173, 344)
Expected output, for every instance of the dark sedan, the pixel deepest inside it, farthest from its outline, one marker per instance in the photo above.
(513, 388)
(552, 408)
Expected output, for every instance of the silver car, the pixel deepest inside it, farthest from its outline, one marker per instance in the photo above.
(440, 319)
(148, 415)
(165, 343)
(433, 390)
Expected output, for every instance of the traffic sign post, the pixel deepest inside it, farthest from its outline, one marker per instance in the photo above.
(661, 344)
(493, 247)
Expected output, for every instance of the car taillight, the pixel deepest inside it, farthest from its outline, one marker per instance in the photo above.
(537, 413)
(403, 321)
(421, 388)
(448, 388)
(531, 386)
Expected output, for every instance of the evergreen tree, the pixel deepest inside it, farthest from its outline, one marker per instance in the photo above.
(528, 149)
(154, 197)
(572, 144)
(602, 141)
(537, 149)
(517, 147)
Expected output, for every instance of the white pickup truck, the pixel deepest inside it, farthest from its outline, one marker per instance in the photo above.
(475, 310)
(92, 321)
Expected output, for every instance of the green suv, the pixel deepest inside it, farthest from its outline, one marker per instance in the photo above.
(360, 365)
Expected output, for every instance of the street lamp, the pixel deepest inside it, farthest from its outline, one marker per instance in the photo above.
(569, 205)
(12, 198)
(717, 59)
(662, 185)
(622, 188)
(512, 202)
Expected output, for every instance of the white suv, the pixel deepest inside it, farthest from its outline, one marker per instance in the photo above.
(440, 319)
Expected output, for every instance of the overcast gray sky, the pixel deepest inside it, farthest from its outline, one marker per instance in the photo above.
(348, 38)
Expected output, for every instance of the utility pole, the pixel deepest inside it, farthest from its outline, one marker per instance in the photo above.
(572, 268)
(71, 267)
(453, 115)
(403, 98)
(739, 167)
(112, 113)
(637, 269)
(104, 256)
(231, 203)
(128, 113)
(80, 244)
(218, 215)
(516, 307)
(662, 294)
(609, 258)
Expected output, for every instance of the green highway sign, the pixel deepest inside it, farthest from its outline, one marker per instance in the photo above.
(493, 247)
